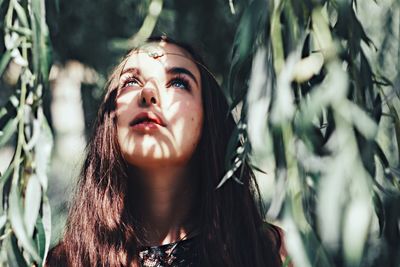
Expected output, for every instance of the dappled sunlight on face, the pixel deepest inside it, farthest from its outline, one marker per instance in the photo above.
(159, 107)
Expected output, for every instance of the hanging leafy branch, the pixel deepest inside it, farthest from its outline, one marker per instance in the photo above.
(321, 104)
(25, 212)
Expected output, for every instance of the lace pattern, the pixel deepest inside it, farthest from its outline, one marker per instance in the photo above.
(178, 254)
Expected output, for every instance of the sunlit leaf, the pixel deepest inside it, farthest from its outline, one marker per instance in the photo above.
(259, 96)
(230, 173)
(356, 227)
(283, 107)
(33, 197)
(3, 112)
(276, 38)
(308, 67)
(14, 255)
(21, 14)
(322, 37)
(17, 223)
(43, 150)
(330, 207)
(8, 131)
(279, 193)
(46, 221)
(21, 31)
(294, 244)
(361, 120)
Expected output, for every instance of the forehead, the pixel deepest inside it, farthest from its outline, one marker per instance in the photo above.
(161, 55)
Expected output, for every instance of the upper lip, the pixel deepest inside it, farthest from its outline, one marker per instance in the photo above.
(147, 116)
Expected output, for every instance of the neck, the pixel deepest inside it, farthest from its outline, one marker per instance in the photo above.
(166, 199)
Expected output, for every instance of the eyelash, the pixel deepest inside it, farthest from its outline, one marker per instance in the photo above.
(130, 79)
(180, 79)
(177, 79)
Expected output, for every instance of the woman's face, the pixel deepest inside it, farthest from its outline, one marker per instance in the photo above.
(159, 106)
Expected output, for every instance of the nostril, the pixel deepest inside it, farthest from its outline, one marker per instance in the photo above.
(143, 100)
(153, 100)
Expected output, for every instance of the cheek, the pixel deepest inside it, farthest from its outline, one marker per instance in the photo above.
(188, 128)
(124, 105)
(197, 126)
(123, 117)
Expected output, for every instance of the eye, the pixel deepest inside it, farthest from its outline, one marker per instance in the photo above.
(130, 82)
(179, 82)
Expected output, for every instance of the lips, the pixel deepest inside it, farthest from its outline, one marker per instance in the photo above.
(147, 117)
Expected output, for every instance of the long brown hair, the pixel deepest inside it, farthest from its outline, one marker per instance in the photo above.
(101, 228)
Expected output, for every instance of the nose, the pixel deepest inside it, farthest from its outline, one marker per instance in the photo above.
(148, 97)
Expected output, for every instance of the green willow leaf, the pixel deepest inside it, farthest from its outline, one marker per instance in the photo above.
(377, 108)
(296, 247)
(3, 220)
(361, 120)
(396, 120)
(22, 31)
(276, 38)
(46, 221)
(381, 156)
(3, 111)
(8, 112)
(36, 30)
(379, 210)
(230, 173)
(7, 174)
(41, 41)
(395, 172)
(231, 148)
(15, 213)
(356, 227)
(254, 167)
(21, 14)
(57, 4)
(14, 255)
(287, 262)
(252, 24)
(40, 238)
(5, 59)
(43, 149)
(8, 131)
(33, 198)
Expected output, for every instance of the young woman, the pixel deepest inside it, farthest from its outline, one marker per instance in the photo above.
(147, 193)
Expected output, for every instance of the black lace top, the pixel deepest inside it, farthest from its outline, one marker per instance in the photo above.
(178, 254)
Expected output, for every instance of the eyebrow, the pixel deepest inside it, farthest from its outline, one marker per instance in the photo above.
(131, 70)
(180, 70)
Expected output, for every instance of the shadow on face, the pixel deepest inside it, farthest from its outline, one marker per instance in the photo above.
(159, 107)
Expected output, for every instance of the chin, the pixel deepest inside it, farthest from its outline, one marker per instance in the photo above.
(156, 161)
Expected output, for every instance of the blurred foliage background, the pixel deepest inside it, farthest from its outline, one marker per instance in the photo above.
(314, 85)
